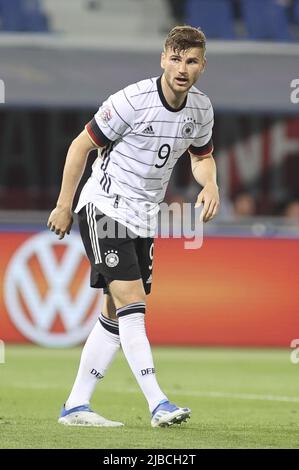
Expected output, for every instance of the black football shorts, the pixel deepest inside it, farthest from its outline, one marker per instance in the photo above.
(116, 257)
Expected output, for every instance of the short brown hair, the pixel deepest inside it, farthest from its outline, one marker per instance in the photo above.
(181, 38)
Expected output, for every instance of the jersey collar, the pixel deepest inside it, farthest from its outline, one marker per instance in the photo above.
(163, 99)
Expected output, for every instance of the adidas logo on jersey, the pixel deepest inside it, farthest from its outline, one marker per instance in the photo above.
(148, 130)
(150, 279)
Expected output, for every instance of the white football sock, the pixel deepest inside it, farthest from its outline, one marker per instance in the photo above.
(137, 351)
(99, 350)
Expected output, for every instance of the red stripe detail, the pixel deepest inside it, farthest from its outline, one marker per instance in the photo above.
(201, 151)
(93, 136)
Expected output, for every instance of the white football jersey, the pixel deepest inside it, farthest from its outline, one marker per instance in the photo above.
(140, 138)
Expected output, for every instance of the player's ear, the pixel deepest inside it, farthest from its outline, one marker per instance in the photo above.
(162, 60)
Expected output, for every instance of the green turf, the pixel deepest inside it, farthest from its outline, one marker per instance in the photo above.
(233, 393)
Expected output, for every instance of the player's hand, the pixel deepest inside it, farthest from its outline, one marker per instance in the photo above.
(209, 197)
(60, 221)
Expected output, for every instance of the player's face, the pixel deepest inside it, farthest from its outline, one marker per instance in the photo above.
(182, 69)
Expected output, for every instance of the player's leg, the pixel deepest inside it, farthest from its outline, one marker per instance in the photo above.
(129, 299)
(100, 348)
(108, 307)
(99, 351)
(165, 413)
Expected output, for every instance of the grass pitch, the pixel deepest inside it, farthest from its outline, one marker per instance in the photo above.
(240, 398)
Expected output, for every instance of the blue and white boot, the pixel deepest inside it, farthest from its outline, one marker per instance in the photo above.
(167, 414)
(84, 416)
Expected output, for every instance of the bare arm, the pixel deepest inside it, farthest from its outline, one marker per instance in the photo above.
(204, 171)
(61, 219)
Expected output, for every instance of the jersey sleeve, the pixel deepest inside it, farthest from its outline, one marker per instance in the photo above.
(203, 144)
(112, 120)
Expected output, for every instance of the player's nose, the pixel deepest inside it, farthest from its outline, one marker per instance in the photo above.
(182, 67)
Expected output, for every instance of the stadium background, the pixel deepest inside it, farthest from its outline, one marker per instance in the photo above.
(225, 315)
(59, 60)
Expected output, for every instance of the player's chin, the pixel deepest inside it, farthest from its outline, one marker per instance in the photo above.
(182, 87)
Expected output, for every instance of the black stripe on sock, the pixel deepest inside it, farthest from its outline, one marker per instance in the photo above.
(135, 304)
(108, 320)
(108, 326)
(129, 309)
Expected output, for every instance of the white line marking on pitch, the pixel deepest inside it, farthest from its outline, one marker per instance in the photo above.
(238, 396)
(193, 393)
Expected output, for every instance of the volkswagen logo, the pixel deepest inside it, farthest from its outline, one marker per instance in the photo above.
(47, 293)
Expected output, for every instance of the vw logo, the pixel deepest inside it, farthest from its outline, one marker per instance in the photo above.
(47, 293)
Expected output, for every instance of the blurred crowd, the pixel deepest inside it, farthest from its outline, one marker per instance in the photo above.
(274, 20)
(23, 16)
(244, 204)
